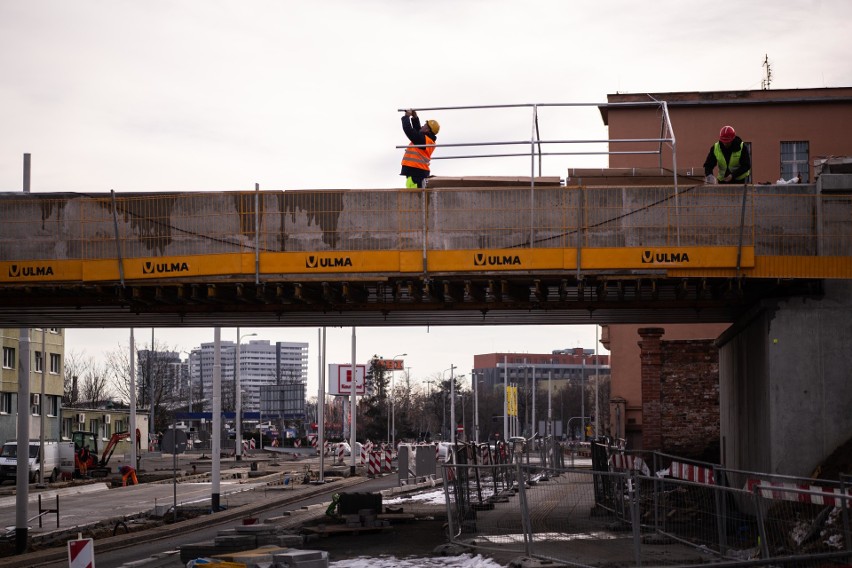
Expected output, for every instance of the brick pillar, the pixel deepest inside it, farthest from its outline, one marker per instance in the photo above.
(652, 364)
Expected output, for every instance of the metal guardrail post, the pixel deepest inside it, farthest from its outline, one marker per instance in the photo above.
(844, 512)
(655, 461)
(450, 531)
(117, 240)
(742, 229)
(721, 511)
(525, 512)
(634, 517)
(761, 527)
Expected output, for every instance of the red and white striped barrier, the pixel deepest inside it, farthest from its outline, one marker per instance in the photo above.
(313, 439)
(341, 450)
(621, 462)
(484, 455)
(386, 461)
(696, 473)
(373, 464)
(627, 462)
(366, 448)
(830, 496)
(451, 471)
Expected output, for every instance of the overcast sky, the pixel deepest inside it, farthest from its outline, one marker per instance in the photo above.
(210, 95)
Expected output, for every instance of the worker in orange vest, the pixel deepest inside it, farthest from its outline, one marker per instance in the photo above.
(128, 472)
(415, 161)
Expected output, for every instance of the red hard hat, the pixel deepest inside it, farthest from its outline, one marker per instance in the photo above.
(727, 134)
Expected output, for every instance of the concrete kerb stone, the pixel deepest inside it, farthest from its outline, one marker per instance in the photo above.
(52, 493)
(165, 531)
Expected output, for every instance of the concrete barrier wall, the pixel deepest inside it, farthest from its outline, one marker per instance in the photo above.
(789, 220)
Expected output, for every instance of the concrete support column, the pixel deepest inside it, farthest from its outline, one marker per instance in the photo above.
(652, 363)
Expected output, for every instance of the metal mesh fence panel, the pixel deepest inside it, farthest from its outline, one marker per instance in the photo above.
(797, 222)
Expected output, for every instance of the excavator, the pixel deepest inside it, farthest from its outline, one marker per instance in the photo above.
(98, 467)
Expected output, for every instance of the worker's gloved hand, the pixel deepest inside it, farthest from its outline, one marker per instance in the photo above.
(710, 180)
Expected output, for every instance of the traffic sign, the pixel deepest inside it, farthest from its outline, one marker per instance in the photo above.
(81, 553)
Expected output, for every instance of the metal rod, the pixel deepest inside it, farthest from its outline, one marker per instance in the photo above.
(665, 108)
(742, 230)
(524, 105)
(524, 155)
(117, 241)
(257, 248)
(526, 142)
(27, 162)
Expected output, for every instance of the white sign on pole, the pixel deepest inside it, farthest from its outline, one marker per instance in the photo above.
(340, 380)
(81, 553)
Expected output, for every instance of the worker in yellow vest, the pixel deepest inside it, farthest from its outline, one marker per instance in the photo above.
(415, 161)
(730, 155)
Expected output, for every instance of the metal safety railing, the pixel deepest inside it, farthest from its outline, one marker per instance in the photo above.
(802, 223)
(678, 516)
(536, 144)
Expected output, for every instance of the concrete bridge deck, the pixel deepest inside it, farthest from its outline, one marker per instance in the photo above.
(517, 254)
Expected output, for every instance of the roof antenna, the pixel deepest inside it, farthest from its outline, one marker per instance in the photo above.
(767, 80)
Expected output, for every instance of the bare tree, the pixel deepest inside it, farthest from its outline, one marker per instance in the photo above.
(157, 379)
(75, 366)
(94, 386)
(86, 382)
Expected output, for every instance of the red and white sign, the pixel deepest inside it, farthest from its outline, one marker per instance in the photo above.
(81, 553)
(390, 364)
(340, 380)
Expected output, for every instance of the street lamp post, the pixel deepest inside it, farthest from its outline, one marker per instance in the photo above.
(393, 415)
(238, 436)
(452, 405)
(474, 381)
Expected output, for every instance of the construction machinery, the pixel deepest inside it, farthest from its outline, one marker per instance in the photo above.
(98, 466)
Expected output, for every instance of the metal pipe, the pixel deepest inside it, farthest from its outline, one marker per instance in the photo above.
(117, 241)
(257, 247)
(217, 418)
(526, 142)
(22, 472)
(353, 408)
(524, 155)
(524, 105)
(665, 109)
(321, 404)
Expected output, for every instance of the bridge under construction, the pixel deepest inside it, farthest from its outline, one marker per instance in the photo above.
(469, 251)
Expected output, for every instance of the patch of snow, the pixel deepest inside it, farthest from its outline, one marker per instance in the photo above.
(462, 561)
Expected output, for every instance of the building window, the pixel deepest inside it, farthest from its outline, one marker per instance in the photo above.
(5, 403)
(54, 363)
(8, 357)
(794, 161)
(67, 428)
(53, 406)
(39, 364)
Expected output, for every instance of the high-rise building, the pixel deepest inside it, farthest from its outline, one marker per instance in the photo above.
(262, 363)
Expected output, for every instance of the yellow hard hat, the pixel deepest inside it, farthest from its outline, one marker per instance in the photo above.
(433, 126)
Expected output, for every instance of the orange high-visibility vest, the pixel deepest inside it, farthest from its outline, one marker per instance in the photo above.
(418, 157)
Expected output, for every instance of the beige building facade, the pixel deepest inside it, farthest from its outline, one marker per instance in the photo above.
(47, 371)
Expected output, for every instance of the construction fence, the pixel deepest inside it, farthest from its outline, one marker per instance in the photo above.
(644, 509)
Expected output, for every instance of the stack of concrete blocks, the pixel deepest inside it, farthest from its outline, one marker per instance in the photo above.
(276, 557)
(240, 538)
(301, 559)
